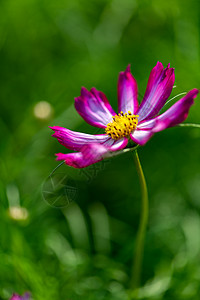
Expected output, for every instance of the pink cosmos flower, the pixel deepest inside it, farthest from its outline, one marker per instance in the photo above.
(133, 121)
(26, 296)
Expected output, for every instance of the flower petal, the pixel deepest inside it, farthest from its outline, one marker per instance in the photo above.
(94, 107)
(15, 297)
(115, 145)
(146, 125)
(176, 114)
(127, 92)
(90, 154)
(26, 296)
(75, 140)
(158, 89)
(141, 137)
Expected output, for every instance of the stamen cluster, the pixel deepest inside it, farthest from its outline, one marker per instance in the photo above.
(122, 125)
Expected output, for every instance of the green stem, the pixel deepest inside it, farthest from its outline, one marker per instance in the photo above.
(139, 249)
(189, 125)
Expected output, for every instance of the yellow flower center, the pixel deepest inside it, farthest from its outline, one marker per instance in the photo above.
(122, 125)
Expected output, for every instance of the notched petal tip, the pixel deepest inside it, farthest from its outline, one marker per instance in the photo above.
(158, 89)
(84, 91)
(169, 71)
(88, 155)
(60, 156)
(194, 92)
(52, 127)
(126, 72)
(127, 92)
(128, 69)
(191, 95)
(70, 159)
(93, 90)
(57, 128)
(99, 95)
(158, 65)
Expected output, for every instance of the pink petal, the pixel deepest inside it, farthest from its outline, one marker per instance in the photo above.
(75, 140)
(90, 154)
(114, 145)
(141, 137)
(94, 107)
(127, 92)
(176, 114)
(26, 296)
(158, 89)
(15, 297)
(146, 125)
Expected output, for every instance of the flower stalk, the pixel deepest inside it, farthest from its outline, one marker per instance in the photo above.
(189, 125)
(140, 239)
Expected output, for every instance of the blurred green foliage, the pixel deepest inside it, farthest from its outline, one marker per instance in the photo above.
(49, 49)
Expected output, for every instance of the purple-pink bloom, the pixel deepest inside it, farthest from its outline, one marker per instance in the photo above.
(133, 121)
(26, 296)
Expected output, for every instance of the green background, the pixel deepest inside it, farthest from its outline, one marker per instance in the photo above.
(49, 49)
